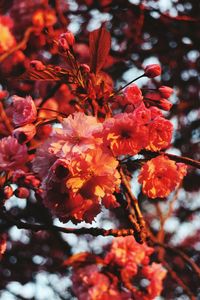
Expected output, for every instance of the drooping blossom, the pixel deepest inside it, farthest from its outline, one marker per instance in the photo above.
(12, 154)
(125, 135)
(24, 110)
(160, 134)
(160, 176)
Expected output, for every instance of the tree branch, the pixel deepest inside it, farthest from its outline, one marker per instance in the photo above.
(78, 231)
(183, 159)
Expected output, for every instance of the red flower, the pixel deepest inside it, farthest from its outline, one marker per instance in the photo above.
(128, 254)
(24, 110)
(160, 176)
(155, 273)
(66, 40)
(165, 91)
(12, 154)
(160, 134)
(152, 71)
(125, 134)
(133, 95)
(89, 283)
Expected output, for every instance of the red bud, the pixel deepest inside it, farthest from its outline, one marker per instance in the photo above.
(152, 71)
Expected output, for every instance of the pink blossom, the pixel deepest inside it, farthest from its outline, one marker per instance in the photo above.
(24, 110)
(155, 273)
(78, 134)
(90, 284)
(12, 154)
(25, 133)
(128, 254)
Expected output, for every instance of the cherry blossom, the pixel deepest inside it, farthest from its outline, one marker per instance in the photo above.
(160, 176)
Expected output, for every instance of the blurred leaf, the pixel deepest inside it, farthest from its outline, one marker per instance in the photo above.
(99, 43)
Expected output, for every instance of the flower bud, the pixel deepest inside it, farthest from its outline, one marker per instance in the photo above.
(37, 65)
(152, 71)
(66, 41)
(25, 133)
(85, 68)
(24, 110)
(165, 91)
(22, 192)
(8, 192)
(165, 104)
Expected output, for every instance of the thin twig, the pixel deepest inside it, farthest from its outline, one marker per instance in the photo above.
(78, 231)
(179, 280)
(183, 159)
(134, 203)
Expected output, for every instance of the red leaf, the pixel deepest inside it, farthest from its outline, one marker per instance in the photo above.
(99, 43)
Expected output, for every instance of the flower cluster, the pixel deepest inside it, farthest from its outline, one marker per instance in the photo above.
(78, 171)
(144, 128)
(125, 261)
(79, 161)
(160, 176)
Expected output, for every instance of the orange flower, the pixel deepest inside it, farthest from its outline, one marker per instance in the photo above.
(160, 176)
(160, 134)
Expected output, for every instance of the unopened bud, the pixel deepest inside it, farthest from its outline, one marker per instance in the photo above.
(22, 192)
(8, 192)
(152, 71)
(165, 91)
(37, 65)
(66, 41)
(165, 104)
(85, 68)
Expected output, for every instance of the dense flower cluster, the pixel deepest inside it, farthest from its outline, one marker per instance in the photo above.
(125, 260)
(144, 128)
(86, 151)
(160, 176)
(12, 154)
(78, 168)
